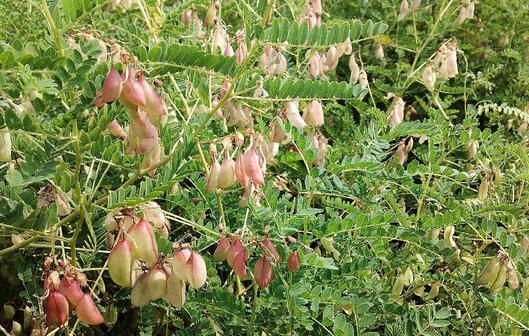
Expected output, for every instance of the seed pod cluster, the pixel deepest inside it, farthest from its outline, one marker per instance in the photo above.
(63, 286)
(236, 255)
(498, 270)
(147, 112)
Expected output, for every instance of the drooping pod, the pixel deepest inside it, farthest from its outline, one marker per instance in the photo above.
(429, 77)
(212, 177)
(240, 174)
(489, 273)
(449, 236)
(239, 264)
(235, 248)
(87, 311)
(144, 242)
(179, 263)
(292, 114)
(57, 309)
(71, 289)
(176, 291)
(120, 262)
(111, 89)
(398, 286)
(262, 272)
(196, 271)
(132, 95)
(116, 130)
(313, 114)
(434, 289)
(221, 252)
(5, 145)
(226, 176)
(251, 166)
(139, 296)
(157, 283)
(293, 263)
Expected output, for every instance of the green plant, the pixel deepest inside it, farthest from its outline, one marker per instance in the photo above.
(143, 143)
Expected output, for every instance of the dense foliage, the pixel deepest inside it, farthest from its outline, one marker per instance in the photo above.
(400, 190)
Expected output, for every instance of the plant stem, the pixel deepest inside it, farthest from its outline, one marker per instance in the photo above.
(223, 226)
(254, 306)
(52, 27)
(73, 240)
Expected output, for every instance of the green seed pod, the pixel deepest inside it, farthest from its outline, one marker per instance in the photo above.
(16, 329)
(407, 277)
(434, 290)
(489, 273)
(9, 312)
(449, 236)
(419, 291)
(500, 280)
(398, 286)
(5, 145)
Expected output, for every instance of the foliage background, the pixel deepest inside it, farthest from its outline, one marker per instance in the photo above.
(376, 211)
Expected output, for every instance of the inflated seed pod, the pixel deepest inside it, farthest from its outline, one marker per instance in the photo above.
(512, 277)
(419, 291)
(407, 277)
(139, 296)
(449, 236)
(489, 273)
(157, 283)
(500, 279)
(176, 291)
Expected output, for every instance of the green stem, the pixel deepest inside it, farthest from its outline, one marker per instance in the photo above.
(52, 27)
(223, 228)
(268, 13)
(254, 308)
(73, 240)
(77, 149)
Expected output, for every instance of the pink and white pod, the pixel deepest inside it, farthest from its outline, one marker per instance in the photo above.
(57, 309)
(120, 262)
(293, 262)
(228, 51)
(235, 248)
(116, 130)
(212, 177)
(71, 289)
(154, 104)
(251, 166)
(111, 89)
(221, 252)
(270, 250)
(316, 7)
(292, 114)
(240, 174)
(313, 114)
(179, 263)
(157, 283)
(144, 242)
(143, 135)
(241, 53)
(226, 85)
(227, 176)
(132, 94)
(87, 311)
(262, 272)
(239, 264)
(139, 296)
(152, 158)
(176, 291)
(196, 271)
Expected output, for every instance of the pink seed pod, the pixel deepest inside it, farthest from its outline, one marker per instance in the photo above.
(57, 309)
(403, 10)
(179, 263)
(153, 214)
(71, 289)
(228, 51)
(240, 174)
(128, 220)
(196, 271)
(120, 262)
(416, 4)
(154, 104)
(331, 60)
(239, 264)
(221, 252)
(212, 177)
(292, 113)
(87, 311)
(262, 272)
(281, 64)
(235, 248)
(251, 166)
(116, 130)
(111, 90)
(362, 79)
(270, 250)
(144, 242)
(132, 94)
(347, 46)
(176, 291)
(313, 114)
(355, 70)
(293, 262)
(157, 283)
(314, 64)
(227, 173)
(139, 296)
(396, 112)
(220, 38)
(449, 68)
(225, 87)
